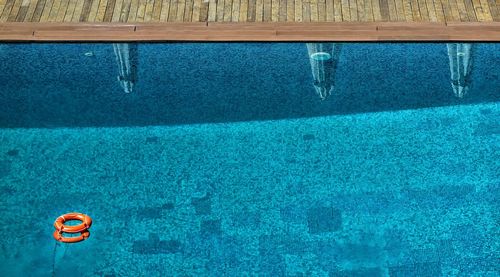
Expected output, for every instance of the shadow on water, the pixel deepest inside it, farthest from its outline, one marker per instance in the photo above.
(80, 85)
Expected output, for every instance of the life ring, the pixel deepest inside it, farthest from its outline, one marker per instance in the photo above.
(80, 228)
(59, 237)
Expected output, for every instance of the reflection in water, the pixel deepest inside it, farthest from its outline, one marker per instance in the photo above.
(323, 58)
(384, 77)
(460, 55)
(126, 58)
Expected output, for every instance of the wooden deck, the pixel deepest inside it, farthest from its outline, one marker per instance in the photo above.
(134, 11)
(249, 20)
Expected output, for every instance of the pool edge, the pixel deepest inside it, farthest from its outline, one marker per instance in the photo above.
(240, 32)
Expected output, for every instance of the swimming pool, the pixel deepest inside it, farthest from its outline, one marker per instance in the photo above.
(268, 159)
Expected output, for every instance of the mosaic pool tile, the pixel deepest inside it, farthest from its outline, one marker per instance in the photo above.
(323, 219)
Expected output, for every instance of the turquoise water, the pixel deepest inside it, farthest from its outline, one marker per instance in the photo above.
(223, 160)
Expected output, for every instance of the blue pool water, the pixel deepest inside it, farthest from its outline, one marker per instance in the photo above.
(222, 160)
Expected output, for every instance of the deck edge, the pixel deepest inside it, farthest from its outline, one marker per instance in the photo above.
(241, 32)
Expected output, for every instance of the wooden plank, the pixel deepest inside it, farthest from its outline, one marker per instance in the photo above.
(157, 10)
(235, 11)
(485, 10)
(38, 11)
(93, 10)
(432, 10)
(61, 12)
(132, 14)
(267, 13)
(469, 8)
(252, 10)
(393, 14)
(165, 8)
(244, 10)
(78, 11)
(346, 13)
(9, 4)
(408, 13)
(46, 10)
(322, 10)
(31, 10)
(314, 11)
(275, 10)
(188, 11)
(124, 11)
(377, 16)
(220, 10)
(204, 11)
(400, 11)
(369, 10)
(2, 6)
(353, 10)
(306, 10)
(415, 10)
(337, 10)
(439, 11)
(181, 6)
(474, 27)
(117, 11)
(168, 11)
(78, 32)
(498, 4)
(55, 9)
(14, 11)
(290, 10)
(91, 13)
(259, 10)
(424, 13)
(330, 15)
(494, 9)
(148, 10)
(23, 10)
(462, 10)
(228, 5)
(141, 11)
(101, 10)
(252, 32)
(108, 14)
(297, 10)
(447, 10)
(21, 13)
(282, 11)
(84, 16)
(70, 10)
(195, 17)
(384, 10)
(454, 10)
(172, 12)
(360, 10)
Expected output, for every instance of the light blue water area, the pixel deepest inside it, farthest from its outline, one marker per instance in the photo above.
(223, 161)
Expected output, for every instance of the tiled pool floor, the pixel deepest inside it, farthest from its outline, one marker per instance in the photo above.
(404, 193)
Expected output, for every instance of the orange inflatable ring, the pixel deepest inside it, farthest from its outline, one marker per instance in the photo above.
(59, 237)
(80, 228)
